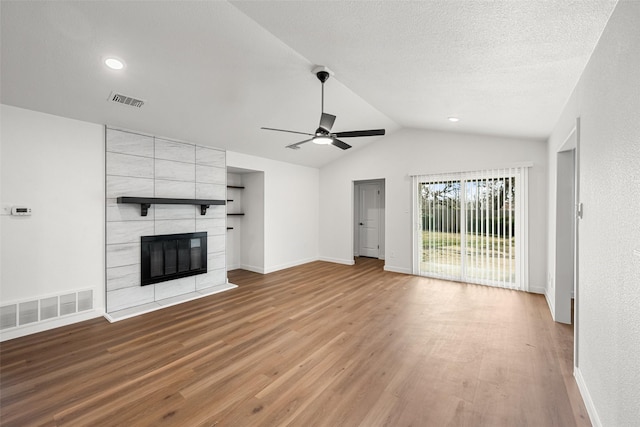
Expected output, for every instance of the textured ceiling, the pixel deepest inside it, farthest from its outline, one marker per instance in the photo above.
(502, 67)
(214, 72)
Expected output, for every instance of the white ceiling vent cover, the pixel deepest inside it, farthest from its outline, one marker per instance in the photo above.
(125, 99)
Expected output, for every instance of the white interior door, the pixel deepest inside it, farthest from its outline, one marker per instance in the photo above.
(369, 221)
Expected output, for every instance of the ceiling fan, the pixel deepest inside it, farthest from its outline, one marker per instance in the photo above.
(323, 134)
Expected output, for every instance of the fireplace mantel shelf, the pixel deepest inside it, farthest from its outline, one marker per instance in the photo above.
(146, 202)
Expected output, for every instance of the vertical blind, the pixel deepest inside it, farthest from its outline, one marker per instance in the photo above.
(472, 227)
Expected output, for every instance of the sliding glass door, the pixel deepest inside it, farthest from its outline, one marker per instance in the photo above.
(470, 227)
(440, 228)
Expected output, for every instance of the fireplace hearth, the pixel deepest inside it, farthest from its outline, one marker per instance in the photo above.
(172, 256)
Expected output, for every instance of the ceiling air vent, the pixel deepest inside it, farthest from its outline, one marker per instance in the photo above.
(126, 100)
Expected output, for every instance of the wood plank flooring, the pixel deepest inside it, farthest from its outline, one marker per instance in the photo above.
(315, 345)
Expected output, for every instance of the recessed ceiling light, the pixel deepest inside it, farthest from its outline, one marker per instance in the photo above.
(454, 119)
(114, 63)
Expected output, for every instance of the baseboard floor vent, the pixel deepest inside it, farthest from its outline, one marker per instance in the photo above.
(39, 310)
(119, 98)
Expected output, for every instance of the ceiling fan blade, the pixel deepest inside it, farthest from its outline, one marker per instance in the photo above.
(290, 131)
(340, 144)
(326, 121)
(354, 133)
(297, 145)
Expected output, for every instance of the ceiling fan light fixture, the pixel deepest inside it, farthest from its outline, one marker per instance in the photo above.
(322, 140)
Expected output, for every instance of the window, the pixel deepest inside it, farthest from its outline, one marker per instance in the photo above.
(471, 227)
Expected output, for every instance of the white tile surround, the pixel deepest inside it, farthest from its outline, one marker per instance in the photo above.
(146, 166)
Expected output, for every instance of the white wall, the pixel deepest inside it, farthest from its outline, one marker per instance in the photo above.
(253, 230)
(291, 207)
(416, 151)
(607, 100)
(55, 166)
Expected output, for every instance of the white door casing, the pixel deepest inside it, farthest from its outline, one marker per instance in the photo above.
(369, 220)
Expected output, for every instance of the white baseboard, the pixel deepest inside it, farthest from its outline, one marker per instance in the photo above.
(394, 269)
(537, 290)
(586, 397)
(45, 325)
(267, 270)
(289, 265)
(337, 260)
(253, 268)
(551, 304)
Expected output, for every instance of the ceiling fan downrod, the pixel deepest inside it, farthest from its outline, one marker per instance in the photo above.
(323, 76)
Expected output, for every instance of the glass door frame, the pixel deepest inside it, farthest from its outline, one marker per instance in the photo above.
(517, 219)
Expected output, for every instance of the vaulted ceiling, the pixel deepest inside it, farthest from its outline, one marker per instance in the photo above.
(214, 72)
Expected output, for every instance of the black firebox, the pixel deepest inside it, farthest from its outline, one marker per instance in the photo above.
(172, 256)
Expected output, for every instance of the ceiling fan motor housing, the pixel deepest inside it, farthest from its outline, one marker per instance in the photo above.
(322, 72)
(323, 76)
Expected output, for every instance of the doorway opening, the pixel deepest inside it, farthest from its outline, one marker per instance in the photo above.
(565, 236)
(369, 218)
(564, 285)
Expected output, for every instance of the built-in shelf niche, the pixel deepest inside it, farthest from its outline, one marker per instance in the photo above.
(235, 187)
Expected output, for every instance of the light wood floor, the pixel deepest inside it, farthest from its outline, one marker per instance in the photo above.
(316, 345)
